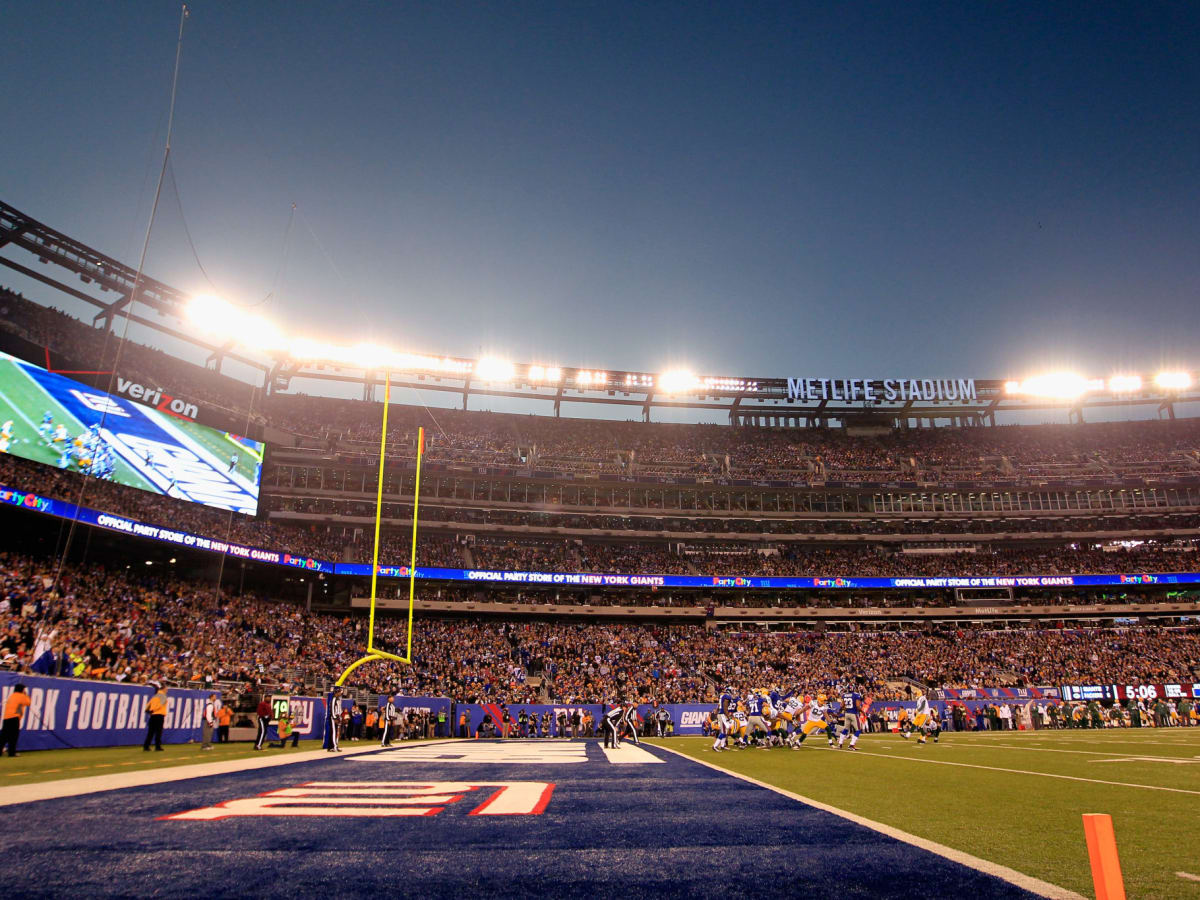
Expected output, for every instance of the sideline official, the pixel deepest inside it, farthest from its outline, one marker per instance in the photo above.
(208, 723)
(156, 710)
(386, 718)
(613, 720)
(14, 709)
(333, 719)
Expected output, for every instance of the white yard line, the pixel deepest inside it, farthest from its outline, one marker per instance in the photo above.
(92, 784)
(1121, 736)
(1012, 876)
(1123, 754)
(1188, 875)
(946, 762)
(629, 754)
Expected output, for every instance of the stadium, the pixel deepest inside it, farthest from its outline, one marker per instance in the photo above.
(880, 634)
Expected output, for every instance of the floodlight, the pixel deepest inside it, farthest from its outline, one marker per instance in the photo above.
(490, 368)
(1173, 381)
(367, 355)
(213, 316)
(1125, 384)
(261, 334)
(677, 381)
(1060, 385)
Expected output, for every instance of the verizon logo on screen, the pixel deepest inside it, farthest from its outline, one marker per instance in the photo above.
(156, 398)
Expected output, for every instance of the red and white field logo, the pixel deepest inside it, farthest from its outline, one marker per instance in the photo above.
(384, 798)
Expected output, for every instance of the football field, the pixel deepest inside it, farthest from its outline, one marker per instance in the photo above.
(979, 815)
(1015, 798)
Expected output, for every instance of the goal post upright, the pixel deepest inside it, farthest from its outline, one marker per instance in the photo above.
(412, 564)
(387, 396)
(373, 653)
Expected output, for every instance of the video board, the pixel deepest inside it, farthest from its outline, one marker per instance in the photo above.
(55, 420)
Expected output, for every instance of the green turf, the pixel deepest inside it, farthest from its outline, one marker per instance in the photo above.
(33, 766)
(51, 765)
(1025, 821)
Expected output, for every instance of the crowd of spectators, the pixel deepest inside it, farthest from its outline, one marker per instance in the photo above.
(93, 622)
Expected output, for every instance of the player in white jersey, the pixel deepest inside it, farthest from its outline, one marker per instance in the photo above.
(919, 719)
(812, 721)
(6, 436)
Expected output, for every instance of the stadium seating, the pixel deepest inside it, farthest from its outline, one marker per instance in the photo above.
(102, 623)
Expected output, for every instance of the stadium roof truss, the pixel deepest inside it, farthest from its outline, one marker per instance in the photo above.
(749, 401)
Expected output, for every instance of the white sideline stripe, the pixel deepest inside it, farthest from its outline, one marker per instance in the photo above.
(93, 784)
(630, 754)
(1117, 736)
(1188, 875)
(945, 762)
(1012, 876)
(1085, 752)
(1166, 759)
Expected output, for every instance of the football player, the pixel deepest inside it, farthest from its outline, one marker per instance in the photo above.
(814, 711)
(919, 719)
(854, 710)
(726, 707)
(47, 426)
(757, 705)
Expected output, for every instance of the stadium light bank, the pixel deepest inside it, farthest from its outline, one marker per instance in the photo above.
(225, 322)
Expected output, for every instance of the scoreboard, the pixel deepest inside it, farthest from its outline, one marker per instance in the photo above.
(1085, 692)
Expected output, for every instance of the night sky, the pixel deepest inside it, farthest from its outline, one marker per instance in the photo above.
(961, 189)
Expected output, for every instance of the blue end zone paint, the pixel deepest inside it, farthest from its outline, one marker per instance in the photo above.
(675, 829)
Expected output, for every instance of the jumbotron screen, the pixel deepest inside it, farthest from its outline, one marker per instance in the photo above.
(52, 419)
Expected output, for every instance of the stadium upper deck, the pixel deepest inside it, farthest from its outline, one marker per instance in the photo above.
(227, 333)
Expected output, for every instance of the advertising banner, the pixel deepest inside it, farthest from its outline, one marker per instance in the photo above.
(71, 712)
(36, 503)
(64, 510)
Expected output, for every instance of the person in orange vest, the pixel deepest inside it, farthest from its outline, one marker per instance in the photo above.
(224, 720)
(156, 710)
(14, 709)
(371, 720)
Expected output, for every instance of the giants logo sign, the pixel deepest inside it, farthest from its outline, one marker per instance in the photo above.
(383, 799)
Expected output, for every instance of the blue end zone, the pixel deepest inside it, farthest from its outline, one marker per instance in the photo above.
(671, 829)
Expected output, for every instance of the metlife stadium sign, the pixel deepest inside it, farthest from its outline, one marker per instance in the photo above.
(890, 390)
